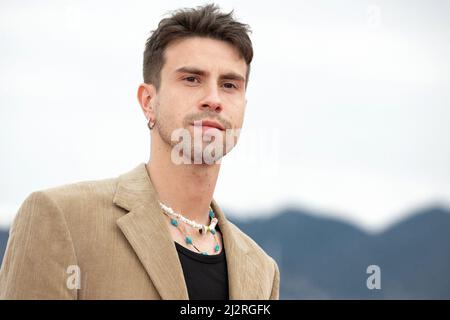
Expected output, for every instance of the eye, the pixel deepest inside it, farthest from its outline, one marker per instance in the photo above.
(191, 79)
(230, 85)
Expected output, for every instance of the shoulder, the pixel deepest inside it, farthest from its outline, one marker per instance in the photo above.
(88, 189)
(78, 193)
(71, 204)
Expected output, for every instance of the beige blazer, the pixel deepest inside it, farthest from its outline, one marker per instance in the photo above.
(108, 239)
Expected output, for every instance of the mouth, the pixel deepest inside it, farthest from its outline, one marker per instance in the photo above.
(208, 124)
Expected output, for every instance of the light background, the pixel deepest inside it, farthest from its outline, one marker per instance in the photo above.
(348, 103)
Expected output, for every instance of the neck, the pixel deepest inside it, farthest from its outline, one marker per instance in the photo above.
(186, 188)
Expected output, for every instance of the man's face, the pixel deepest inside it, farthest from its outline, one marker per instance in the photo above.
(202, 79)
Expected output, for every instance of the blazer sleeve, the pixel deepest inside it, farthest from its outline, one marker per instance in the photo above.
(38, 253)
(275, 295)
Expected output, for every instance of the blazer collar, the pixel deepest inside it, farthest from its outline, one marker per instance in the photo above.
(146, 230)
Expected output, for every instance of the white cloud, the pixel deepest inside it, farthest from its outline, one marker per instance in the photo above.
(345, 117)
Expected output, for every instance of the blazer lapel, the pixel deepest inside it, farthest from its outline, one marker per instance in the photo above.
(242, 282)
(146, 230)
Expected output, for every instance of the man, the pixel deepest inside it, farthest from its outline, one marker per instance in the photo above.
(155, 232)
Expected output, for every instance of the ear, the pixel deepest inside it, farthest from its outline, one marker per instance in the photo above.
(146, 96)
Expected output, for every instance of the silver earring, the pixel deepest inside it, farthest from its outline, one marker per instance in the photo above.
(150, 124)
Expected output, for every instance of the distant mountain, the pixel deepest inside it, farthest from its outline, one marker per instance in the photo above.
(3, 241)
(323, 258)
(327, 259)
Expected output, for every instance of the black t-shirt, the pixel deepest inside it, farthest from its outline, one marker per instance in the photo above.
(206, 275)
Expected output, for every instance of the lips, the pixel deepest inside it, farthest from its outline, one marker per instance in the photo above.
(211, 124)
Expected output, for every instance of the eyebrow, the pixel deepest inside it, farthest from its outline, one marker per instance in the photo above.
(227, 76)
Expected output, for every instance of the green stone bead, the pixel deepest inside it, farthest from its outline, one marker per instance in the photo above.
(174, 222)
(205, 253)
(213, 231)
(211, 214)
(216, 248)
(188, 240)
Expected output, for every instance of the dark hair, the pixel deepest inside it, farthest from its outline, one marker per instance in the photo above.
(204, 21)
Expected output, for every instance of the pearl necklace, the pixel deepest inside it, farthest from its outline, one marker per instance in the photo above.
(202, 228)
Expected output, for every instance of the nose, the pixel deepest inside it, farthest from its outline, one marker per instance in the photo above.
(211, 99)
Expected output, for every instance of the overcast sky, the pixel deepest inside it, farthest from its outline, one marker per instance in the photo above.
(348, 103)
